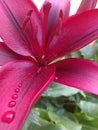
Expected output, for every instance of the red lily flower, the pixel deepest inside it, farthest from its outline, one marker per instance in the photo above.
(32, 41)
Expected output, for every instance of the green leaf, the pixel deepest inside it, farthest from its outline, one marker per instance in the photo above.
(57, 90)
(37, 119)
(88, 51)
(53, 127)
(89, 108)
(76, 54)
(63, 120)
(88, 124)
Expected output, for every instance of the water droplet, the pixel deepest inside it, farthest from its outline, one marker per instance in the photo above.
(20, 85)
(8, 116)
(17, 90)
(56, 78)
(14, 96)
(12, 104)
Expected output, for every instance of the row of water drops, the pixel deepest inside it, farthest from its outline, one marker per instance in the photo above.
(8, 116)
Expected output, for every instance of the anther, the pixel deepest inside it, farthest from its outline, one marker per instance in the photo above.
(46, 10)
(30, 12)
(27, 18)
(61, 14)
(59, 24)
(46, 7)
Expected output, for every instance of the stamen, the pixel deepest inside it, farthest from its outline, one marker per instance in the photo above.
(46, 7)
(34, 58)
(59, 24)
(46, 10)
(25, 22)
(61, 14)
(56, 60)
(35, 32)
(27, 18)
(30, 12)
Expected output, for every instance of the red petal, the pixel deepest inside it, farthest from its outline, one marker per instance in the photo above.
(56, 7)
(78, 73)
(28, 82)
(74, 34)
(86, 5)
(14, 29)
(6, 55)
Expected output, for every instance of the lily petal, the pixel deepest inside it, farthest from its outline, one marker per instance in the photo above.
(54, 14)
(87, 5)
(14, 16)
(78, 73)
(7, 55)
(22, 83)
(74, 34)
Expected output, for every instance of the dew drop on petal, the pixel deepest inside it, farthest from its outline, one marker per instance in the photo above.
(17, 90)
(20, 85)
(56, 78)
(8, 116)
(12, 104)
(14, 96)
